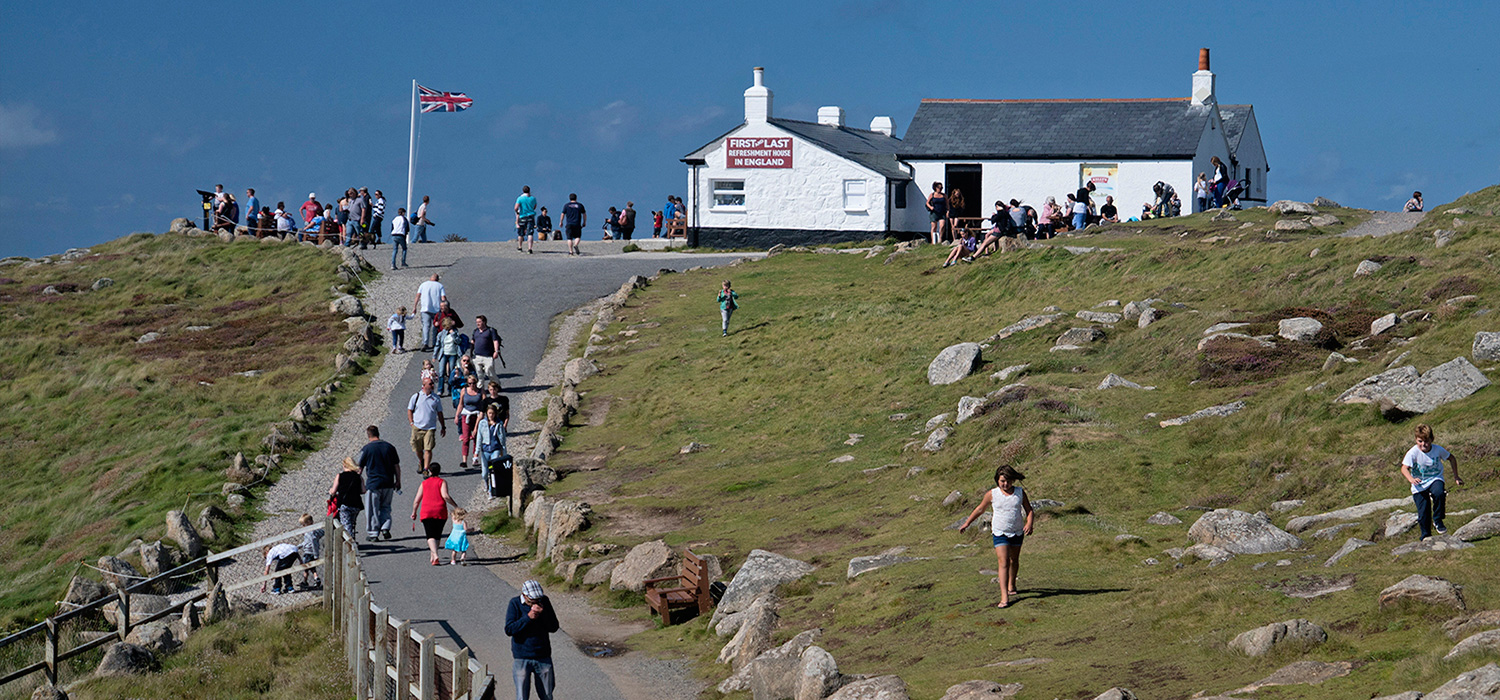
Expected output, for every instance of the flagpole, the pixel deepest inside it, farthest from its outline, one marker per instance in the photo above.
(411, 151)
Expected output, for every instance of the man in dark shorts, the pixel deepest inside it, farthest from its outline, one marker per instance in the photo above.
(382, 467)
(526, 219)
(574, 218)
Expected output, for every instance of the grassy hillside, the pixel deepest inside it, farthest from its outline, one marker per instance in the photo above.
(102, 435)
(829, 345)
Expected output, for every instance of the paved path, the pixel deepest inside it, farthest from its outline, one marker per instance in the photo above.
(1385, 223)
(465, 606)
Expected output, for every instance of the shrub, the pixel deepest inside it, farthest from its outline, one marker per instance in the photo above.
(455, 238)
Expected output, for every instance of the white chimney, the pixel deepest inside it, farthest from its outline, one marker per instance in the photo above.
(883, 125)
(1203, 81)
(831, 116)
(758, 100)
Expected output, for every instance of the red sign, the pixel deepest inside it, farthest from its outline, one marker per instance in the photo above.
(758, 152)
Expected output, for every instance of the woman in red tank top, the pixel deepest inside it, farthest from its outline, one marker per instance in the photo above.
(431, 506)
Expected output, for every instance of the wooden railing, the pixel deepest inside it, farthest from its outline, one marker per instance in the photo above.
(676, 228)
(376, 645)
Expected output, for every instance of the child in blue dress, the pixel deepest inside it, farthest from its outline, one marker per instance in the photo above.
(458, 539)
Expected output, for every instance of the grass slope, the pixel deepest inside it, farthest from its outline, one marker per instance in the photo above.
(103, 435)
(828, 345)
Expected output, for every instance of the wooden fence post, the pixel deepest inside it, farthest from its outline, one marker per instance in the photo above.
(362, 684)
(403, 650)
(51, 659)
(381, 660)
(427, 669)
(460, 684)
(328, 549)
(333, 578)
(124, 608)
(479, 683)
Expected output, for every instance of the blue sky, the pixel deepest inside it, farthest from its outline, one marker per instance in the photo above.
(111, 114)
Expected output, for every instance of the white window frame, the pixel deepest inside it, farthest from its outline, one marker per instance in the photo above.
(716, 190)
(862, 203)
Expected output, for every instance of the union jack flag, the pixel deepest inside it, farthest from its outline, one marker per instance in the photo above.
(434, 101)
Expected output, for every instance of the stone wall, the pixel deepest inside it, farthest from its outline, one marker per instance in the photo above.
(725, 237)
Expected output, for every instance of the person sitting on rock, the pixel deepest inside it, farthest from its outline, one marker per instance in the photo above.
(1414, 204)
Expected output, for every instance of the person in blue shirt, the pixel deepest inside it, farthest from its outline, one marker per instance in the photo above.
(252, 204)
(669, 210)
(528, 620)
(525, 219)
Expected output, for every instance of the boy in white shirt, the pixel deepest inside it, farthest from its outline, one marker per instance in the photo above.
(1423, 468)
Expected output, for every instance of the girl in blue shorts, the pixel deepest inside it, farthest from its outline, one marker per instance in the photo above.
(1010, 523)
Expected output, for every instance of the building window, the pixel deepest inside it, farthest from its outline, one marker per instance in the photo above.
(901, 194)
(854, 196)
(729, 194)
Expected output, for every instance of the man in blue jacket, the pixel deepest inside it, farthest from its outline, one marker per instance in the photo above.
(528, 621)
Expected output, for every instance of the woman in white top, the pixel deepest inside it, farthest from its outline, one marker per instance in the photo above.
(1010, 523)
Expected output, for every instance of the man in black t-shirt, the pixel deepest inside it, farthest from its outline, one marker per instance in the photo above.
(1108, 212)
(382, 467)
(486, 348)
(574, 218)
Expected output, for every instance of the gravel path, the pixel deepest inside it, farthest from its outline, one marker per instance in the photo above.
(522, 295)
(1385, 223)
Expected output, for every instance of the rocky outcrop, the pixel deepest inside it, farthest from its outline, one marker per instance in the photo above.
(1029, 323)
(579, 369)
(601, 573)
(1300, 329)
(753, 630)
(770, 675)
(762, 572)
(1239, 532)
(817, 675)
(82, 591)
(1363, 510)
(1423, 589)
(983, 690)
(1221, 411)
(1411, 392)
(1113, 380)
(652, 559)
(1350, 545)
(1486, 347)
(1287, 207)
(567, 518)
(1260, 641)
(346, 306)
(954, 363)
(1109, 317)
(124, 659)
(1431, 544)
(1080, 336)
(181, 531)
(1366, 268)
(937, 439)
(1473, 685)
(878, 688)
(1164, 518)
(1481, 527)
(1461, 627)
(1483, 642)
(888, 558)
(117, 572)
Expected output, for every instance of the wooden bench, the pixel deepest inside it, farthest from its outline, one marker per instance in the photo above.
(676, 228)
(692, 594)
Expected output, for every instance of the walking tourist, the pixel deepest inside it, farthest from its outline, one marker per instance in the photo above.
(448, 346)
(377, 216)
(491, 443)
(1010, 523)
(1080, 210)
(1423, 468)
(431, 507)
(430, 298)
(457, 543)
(422, 221)
(1200, 191)
(1413, 204)
(424, 411)
(529, 619)
(470, 407)
(627, 221)
(399, 228)
(252, 205)
(937, 212)
(574, 218)
(348, 492)
(729, 300)
(359, 212)
(382, 467)
(525, 219)
(1220, 181)
(486, 348)
(612, 224)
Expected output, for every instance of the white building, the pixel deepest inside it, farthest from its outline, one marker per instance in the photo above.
(1031, 149)
(772, 180)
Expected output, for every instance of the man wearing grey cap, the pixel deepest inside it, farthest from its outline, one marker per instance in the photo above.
(528, 621)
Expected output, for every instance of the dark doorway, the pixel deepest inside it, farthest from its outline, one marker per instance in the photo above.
(967, 180)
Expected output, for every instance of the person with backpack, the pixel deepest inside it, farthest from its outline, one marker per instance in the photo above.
(449, 345)
(491, 444)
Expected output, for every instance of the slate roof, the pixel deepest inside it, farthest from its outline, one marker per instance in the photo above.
(871, 149)
(1067, 129)
(1235, 118)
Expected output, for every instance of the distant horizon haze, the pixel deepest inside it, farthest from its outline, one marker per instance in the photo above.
(112, 115)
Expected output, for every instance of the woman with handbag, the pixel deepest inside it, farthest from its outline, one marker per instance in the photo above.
(491, 448)
(346, 495)
(431, 506)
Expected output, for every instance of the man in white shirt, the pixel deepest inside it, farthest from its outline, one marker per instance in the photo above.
(421, 222)
(430, 298)
(399, 228)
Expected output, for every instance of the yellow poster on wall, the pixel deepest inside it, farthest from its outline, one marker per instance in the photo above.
(1104, 177)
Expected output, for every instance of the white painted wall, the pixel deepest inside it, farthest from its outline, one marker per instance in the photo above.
(914, 217)
(1032, 182)
(809, 195)
(1252, 156)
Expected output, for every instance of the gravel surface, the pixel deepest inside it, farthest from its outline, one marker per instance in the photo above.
(1385, 223)
(521, 294)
